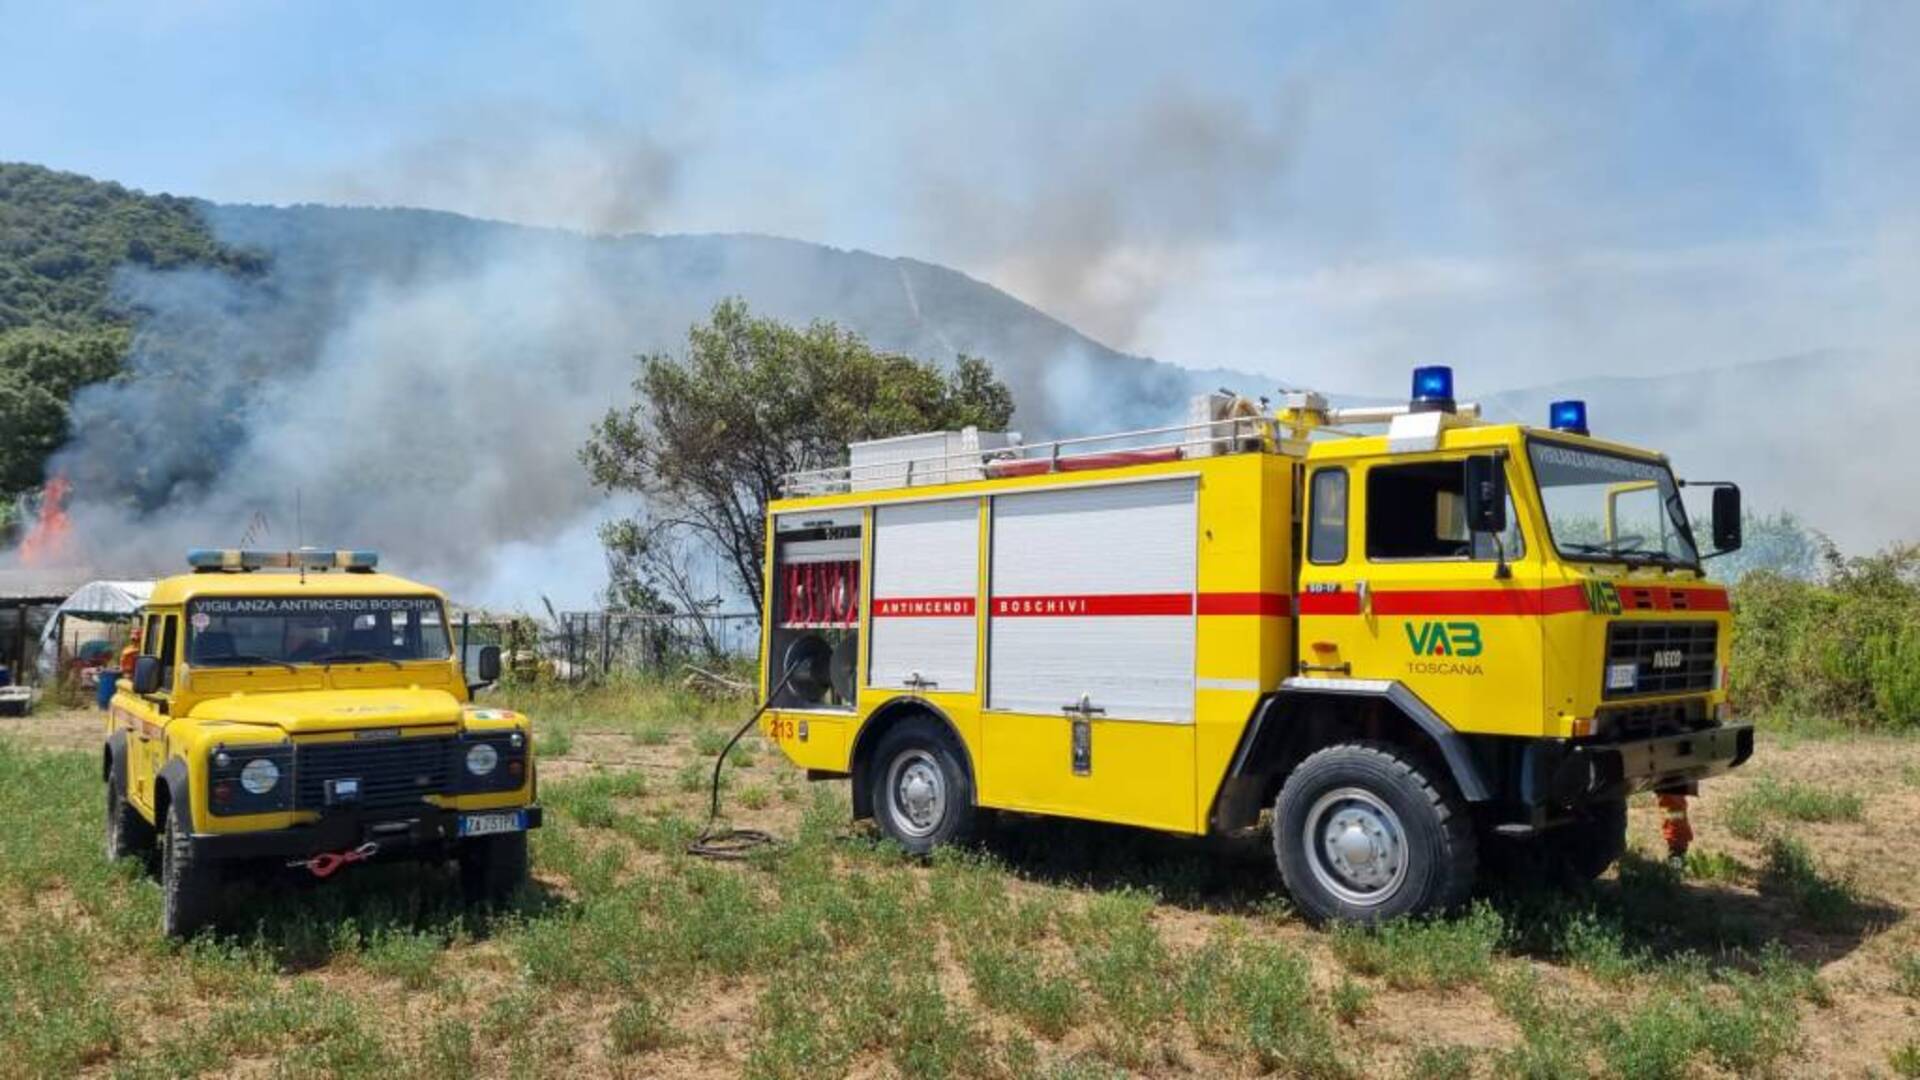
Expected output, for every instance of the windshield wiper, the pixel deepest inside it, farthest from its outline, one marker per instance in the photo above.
(355, 654)
(228, 659)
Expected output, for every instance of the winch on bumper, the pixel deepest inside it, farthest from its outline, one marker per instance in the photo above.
(1568, 773)
(338, 832)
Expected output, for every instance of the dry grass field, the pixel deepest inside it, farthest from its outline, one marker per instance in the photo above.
(1787, 947)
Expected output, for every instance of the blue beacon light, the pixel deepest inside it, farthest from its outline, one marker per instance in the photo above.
(1568, 416)
(1432, 389)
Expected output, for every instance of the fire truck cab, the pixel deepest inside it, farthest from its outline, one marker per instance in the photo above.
(1406, 632)
(299, 709)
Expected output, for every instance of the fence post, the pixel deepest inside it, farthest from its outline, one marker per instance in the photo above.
(606, 644)
(466, 626)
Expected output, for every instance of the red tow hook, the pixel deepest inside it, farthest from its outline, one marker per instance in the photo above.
(325, 863)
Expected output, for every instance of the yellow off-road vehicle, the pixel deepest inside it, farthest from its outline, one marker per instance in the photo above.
(299, 709)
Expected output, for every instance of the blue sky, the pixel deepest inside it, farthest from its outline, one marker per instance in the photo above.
(1320, 192)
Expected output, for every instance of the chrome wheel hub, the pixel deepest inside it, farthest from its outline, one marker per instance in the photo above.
(918, 789)
(1356, 846)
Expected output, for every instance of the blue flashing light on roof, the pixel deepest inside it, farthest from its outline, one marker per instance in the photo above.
(1432, 389)
(1568, 416)
(206, 560)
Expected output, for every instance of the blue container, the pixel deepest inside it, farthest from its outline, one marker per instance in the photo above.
(6, 675)
(107, 681)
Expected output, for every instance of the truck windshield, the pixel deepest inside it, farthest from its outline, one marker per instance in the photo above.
(286, 630)
(1607, 507)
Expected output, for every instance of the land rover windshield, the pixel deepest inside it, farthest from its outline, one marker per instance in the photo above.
(1609, 507)
(283, 631)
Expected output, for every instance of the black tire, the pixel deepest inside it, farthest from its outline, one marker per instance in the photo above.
(492, 868)
(1406, 847)
(1583, 850)
(920, 789)
(128, 834)
(189, 887)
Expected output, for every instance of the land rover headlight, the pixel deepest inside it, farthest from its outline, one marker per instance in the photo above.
(482, 759)
(259, 776)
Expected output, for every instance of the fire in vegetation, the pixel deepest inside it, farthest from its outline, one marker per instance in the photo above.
(46, 542)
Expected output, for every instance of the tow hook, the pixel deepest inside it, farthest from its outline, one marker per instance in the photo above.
(324, 864)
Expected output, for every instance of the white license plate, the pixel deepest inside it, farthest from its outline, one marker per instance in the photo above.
(488, 824)
(1622, 676)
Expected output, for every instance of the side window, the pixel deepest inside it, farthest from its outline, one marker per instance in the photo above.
(1327, 536)
(1419, 511)
(168, 637)
(150, 637)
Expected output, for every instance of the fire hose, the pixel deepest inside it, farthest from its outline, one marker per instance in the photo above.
(729, 843)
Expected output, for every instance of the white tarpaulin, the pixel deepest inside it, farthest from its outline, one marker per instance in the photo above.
(103, 600)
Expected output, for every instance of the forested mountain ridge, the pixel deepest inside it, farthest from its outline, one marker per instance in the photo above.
(63, 240)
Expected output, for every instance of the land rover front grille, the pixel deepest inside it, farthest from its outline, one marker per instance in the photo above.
(1666, 657)
(392, 773)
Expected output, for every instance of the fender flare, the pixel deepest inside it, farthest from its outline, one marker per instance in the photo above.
(114, 757)
(1295, 694)
(883, 717)
(173, 776)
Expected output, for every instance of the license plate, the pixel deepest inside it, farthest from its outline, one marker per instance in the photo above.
(488, 824)
(1622, 676)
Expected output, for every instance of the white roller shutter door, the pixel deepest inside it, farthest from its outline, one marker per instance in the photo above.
(926, 564)
(1093, 593)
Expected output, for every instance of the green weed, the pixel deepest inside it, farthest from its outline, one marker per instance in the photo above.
(1429, 953)
(1768, 799)
(1904, 1059)
(637, 1027)
(1824, 902)
(1906, 974)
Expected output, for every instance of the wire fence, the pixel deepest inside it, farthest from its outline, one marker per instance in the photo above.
(585, 645)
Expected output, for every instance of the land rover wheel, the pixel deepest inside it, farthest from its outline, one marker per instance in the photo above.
(492, 868)
(128, 833)
(1365, 833)
(188, 886)
(922, 794)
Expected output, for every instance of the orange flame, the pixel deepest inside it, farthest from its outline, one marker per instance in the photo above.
(46, 542)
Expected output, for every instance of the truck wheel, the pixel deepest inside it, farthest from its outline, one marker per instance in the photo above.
(127, 832)
(1364, 833)
(188, 886)
(492, 868)
(1583, 850)
(922, 795)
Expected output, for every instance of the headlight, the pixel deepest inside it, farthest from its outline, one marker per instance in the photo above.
(482, 759)
(259, 776)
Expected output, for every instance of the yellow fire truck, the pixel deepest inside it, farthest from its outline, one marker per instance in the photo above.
(299, 709)
(1408, 632)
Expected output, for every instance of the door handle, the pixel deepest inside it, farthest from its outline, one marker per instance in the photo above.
(1083, 708)
(1364, 593)
(917, 681)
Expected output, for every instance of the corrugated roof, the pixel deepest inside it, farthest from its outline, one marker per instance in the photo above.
(42, 583)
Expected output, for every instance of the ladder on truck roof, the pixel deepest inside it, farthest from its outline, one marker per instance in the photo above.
(1227, 424)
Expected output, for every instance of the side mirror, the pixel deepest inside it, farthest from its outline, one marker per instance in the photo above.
(488, 663)
(1486, 484)
(146, 675)
(1726, 518)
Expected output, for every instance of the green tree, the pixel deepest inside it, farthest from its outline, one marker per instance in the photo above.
(711, 434)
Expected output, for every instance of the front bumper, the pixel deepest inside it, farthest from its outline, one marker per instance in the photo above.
(413, 831)
(1573, 773)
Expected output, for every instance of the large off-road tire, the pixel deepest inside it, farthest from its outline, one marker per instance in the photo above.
(1366, 832)
(189, 887)
(128, 834)
(921, 791)
(492, 868)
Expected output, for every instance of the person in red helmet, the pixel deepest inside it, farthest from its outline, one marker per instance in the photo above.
(131, 653)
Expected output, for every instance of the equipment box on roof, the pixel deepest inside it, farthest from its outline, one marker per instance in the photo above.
(939, 457)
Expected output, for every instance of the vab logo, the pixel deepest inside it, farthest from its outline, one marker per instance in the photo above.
(1461, 639)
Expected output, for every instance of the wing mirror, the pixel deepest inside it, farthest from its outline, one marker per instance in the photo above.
(1726, 519)
(1486, 495)
(487, 664)
(146, 676)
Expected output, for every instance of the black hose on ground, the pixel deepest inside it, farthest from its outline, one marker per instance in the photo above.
(717, 843)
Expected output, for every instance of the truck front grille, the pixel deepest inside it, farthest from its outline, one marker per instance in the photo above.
(1667, 658)
(394, 774)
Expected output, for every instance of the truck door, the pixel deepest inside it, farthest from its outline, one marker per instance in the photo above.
(1394, 589)
(144, 719)
(1090, 685)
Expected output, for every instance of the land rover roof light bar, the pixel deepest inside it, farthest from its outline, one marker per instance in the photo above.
(217, 560)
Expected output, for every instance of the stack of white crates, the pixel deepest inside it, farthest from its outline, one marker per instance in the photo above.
(936, 457)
